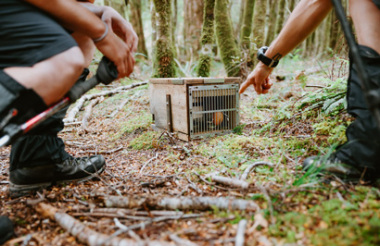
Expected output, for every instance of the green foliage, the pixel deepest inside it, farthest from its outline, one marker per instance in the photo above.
(330, 99)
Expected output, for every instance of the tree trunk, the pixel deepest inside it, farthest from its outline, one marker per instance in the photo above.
(193, 18)
(165, 66)
(272, 19)
(258, 31)
(207, 39)
(280, 16)
(241, 17)
(136, 21)
(246, 28)
(225, 37)
(175, 19)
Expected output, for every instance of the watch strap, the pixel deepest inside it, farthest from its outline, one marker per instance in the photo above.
(264, 59)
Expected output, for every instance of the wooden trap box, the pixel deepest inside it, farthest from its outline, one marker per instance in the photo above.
(195, 108)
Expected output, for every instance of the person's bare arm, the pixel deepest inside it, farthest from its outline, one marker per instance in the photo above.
(116, 22)
(72, 15)
(304, 19)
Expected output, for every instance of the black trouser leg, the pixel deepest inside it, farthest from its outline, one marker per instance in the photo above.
(362, 149)
(41, 146)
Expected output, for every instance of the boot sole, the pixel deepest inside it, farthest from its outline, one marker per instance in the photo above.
(16, 190)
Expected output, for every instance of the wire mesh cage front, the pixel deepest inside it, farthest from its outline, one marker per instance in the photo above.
(213, 109)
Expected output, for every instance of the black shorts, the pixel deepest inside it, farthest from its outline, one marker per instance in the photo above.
(29, 35)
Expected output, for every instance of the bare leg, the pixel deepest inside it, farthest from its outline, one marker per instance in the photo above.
(51, 78)
(87, 47)
(366, 18)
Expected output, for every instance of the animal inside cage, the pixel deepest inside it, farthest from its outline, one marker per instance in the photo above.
(195, 107)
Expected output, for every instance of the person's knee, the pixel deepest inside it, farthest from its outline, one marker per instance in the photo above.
(86, 45)
(72, 60)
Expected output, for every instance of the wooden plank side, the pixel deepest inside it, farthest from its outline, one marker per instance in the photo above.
(157, 95)
(193, 81)
(174, 81)
(232, 80)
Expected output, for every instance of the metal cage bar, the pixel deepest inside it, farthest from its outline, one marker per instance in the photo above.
(213, 109)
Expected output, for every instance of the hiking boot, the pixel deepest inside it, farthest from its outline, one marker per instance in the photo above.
(6, 229)
(25, 180)
(331, 165)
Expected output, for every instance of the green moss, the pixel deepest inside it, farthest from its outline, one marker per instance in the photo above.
(207, 39)
(164, 64)
(204, 66)
(247, 24)
(225, 37)
(143, 141)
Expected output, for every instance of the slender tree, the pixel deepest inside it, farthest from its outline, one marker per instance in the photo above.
(229, 51)
(241, 17)
(193, 18)
(271, 23)
(175, 20)
(136, 21)
(165, 66)
(246, 27)
(280, 16)
(258, 31)
(207, 39)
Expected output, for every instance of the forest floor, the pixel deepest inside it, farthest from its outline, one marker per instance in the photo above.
(303, 115)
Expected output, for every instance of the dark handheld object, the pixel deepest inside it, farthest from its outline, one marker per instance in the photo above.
(372, 96)
(105, 74)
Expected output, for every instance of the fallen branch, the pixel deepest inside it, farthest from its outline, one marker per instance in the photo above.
(122, 104)
(85, 234)
(88, 111)
(230, 182)
(252, 166)
(146, 163)
(181, 203)
(239, 239)
(181, 241)
(74, 111)
(144, 224)
(209, 183)
(120, 212)
(101, 152)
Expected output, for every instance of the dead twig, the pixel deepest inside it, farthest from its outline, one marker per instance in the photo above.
(269, 201)
(146, 163)
(74, 111)
(144, 224)
(88, 111)
(239, 239)
(101, 152)
(209, 183)
(131, 233)
(82, 232)
(252, 166)
(181, 241)
(181, 203)
(122, 104)
(230, 182)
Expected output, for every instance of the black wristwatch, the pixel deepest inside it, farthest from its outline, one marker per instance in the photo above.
(264, 59)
